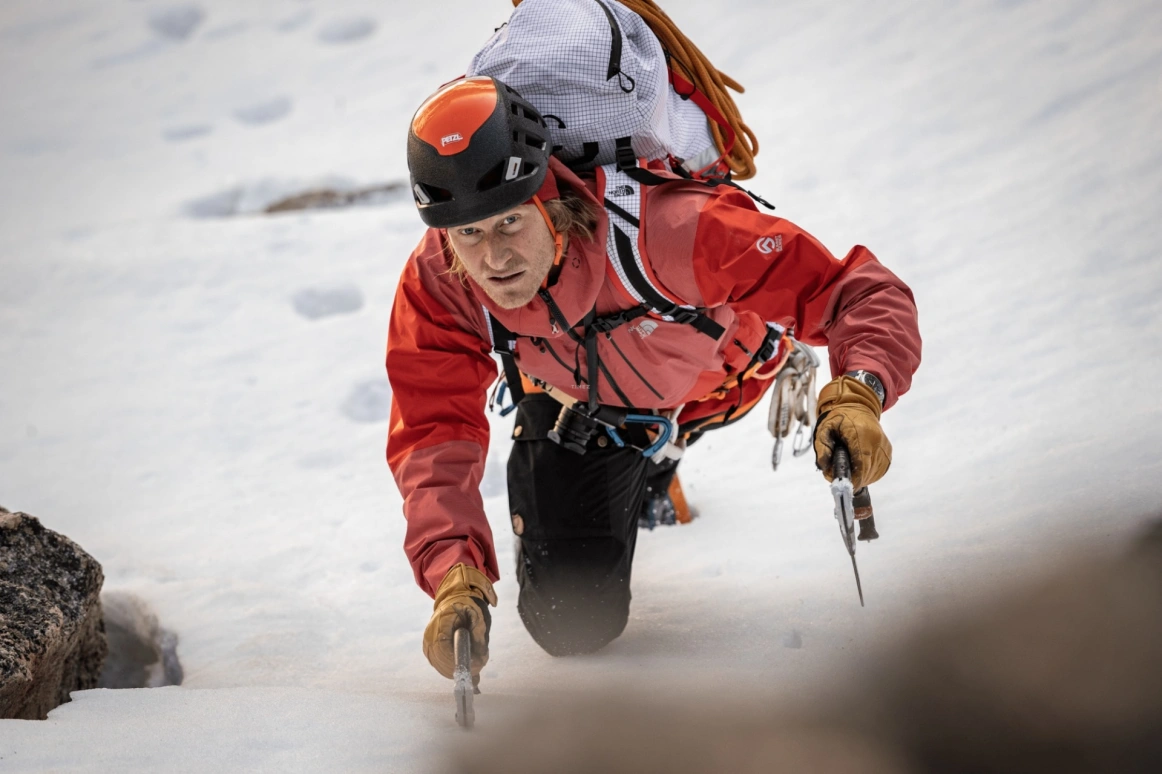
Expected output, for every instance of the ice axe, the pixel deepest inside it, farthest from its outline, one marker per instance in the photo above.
(463, 688)
(850, 505)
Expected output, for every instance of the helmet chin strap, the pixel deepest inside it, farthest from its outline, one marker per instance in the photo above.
(558, 244)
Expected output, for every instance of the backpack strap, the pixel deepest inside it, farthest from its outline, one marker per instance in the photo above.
(504, 344)
(624, 201)
(627, 164)
(688, 91)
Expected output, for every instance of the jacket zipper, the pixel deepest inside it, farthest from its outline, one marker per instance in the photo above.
(609, 336)
(583, 381)
(549, 347)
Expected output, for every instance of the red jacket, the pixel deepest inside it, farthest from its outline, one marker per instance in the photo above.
(704, 247)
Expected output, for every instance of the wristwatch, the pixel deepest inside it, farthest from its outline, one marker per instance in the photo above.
(871, 380)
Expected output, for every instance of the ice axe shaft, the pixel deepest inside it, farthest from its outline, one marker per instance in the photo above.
(841, 490)
(462, 678)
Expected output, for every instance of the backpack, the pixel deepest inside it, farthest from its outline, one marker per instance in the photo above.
(611, 97)
(611, 93)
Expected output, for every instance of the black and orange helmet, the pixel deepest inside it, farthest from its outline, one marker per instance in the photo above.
(475, 149)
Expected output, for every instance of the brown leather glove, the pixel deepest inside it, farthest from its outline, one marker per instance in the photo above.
(849, 411)
(461, 601)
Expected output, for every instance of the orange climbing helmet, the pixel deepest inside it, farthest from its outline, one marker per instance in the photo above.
(475, 149)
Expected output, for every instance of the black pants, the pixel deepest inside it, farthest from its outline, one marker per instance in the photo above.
(576, 519)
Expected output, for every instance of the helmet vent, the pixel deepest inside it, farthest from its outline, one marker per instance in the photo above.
(492, 178)
(432, 193)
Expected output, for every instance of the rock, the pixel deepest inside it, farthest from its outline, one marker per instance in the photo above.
(1057, 674)
(141, 653)
(52, 640)
(331, 198)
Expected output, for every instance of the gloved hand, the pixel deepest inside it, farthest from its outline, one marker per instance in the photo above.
(461, 601)
(849, 411)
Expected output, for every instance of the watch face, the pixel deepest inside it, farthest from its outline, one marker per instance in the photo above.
(871, 380)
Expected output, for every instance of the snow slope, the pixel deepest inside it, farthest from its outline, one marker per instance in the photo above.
(198, 398)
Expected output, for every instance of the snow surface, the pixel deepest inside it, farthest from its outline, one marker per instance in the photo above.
(166, 401)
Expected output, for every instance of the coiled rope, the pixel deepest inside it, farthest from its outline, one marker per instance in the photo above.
(709, 80)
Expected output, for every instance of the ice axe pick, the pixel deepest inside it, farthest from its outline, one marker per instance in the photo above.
(841, 490)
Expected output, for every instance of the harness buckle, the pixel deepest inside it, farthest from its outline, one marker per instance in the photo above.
(681, 314)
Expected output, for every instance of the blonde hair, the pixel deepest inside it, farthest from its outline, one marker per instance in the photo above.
(571, 215)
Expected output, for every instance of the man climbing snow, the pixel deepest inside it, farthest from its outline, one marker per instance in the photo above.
(629, 317)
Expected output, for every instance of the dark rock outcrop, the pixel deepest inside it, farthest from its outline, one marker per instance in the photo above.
(52, 640)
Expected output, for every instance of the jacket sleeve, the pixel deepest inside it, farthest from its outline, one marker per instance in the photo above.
(438, 436)
(863, 313)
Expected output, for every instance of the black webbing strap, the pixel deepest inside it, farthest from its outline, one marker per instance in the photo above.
(557, 316)
(591, 325)
(591, 366)
(627, 163)
(611, 321)
(503, 342)
(589, 151)
(621, 213)
(660, 304)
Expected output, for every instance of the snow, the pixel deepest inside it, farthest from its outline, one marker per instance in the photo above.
(166, 402)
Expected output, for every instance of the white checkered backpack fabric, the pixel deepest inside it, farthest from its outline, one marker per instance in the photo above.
(599, 76)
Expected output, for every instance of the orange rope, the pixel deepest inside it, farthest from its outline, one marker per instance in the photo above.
(694, 65)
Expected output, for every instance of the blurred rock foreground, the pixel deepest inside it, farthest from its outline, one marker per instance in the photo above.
(52, 640)
(1060, 674)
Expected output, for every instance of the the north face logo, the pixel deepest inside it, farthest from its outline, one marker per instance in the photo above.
(644, 328)
(622, 190)
(768, 245)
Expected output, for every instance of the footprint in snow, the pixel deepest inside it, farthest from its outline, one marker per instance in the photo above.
(226, 31)
(346, 30)
(176, 22)
(187, 132)
(368, 402)
(292, 23)
(317, 303)
(265, 112)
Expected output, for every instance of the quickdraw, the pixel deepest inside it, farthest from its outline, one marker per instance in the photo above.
(793, 402)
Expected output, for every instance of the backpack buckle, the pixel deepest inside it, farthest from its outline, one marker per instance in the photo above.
(769, 346)
(682, 315)
(624, 154)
